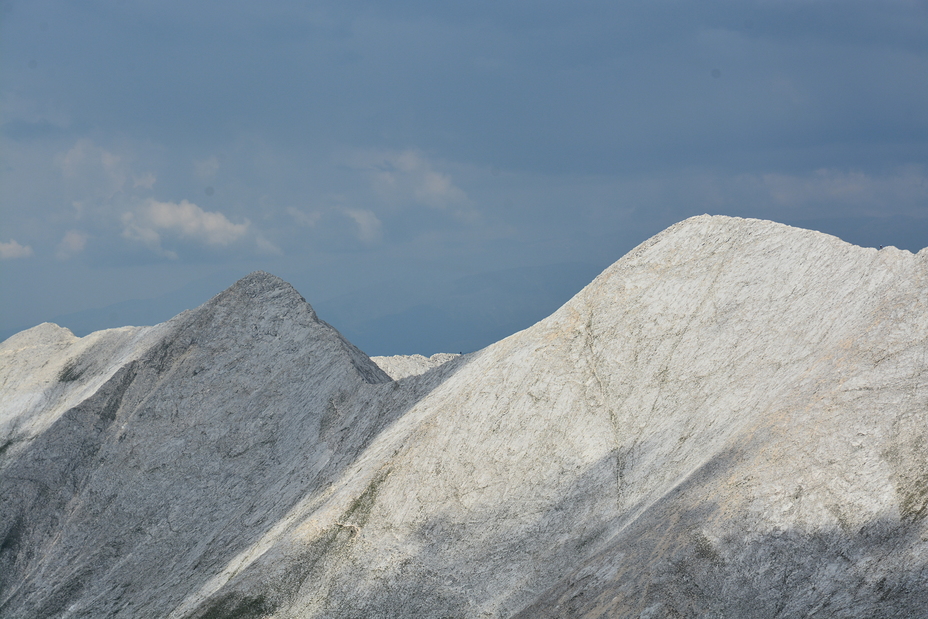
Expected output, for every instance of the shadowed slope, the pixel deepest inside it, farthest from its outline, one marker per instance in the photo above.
(188, 451)
(733, 409)
(718, 336)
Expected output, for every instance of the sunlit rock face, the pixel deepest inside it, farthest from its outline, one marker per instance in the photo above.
(399, 367)
(729, 421)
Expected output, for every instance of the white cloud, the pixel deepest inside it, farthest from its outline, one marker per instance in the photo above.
(193, 222)
(71, 161)
(72, 244)
(266, 247)
(145, 181)
(207, 168)
(96, 177)
(94, 170)
(825, 192)
(407, 175)
(367, 222)
(16, 104)
(852, 187)
(13, 249)
(304, 219)
(186, 220)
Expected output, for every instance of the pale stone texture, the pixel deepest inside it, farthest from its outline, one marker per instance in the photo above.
(730, 421)
(401, 366)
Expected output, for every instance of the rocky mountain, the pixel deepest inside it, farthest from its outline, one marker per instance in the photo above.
(729, 421)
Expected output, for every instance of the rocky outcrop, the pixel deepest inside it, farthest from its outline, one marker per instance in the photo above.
(180, 458)
(729, 421)
(401, 366)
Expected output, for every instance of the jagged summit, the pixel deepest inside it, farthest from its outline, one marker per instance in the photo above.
(729, 421)
(263, 291)
(262, 282)
(263, 311)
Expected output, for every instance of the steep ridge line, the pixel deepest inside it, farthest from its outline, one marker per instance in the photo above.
(482, 369)
(730, 411)
(208, 343)
(739, 603)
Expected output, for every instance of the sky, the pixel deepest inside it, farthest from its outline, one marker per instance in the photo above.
(432, 176)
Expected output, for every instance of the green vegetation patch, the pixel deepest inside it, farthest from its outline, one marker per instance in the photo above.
(913, 497)
(69, 373)
(704, 549)
(233, 606)
(910, 477)
(360, 509)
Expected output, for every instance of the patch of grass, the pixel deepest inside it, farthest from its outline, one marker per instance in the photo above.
(705, 550)
(910, 478)
(360, 509)
(121, 381)
(913, 498)
(69, 373)
(234, 606)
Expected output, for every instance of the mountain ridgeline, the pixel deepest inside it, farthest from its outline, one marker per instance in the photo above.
(730, 421)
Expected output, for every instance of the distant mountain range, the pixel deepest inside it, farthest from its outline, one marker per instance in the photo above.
(730, 421)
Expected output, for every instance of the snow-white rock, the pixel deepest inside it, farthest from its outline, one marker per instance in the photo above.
(729, 421)
(401, 366)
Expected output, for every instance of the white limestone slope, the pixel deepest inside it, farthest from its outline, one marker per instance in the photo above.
(729, 421)
(398, 367)
(46, 370)
(181, 457)
(717, 342)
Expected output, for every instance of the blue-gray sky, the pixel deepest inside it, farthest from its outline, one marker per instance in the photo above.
(387, 158)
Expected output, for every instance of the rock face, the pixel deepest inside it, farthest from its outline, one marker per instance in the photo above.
(398, 367)
(730, 421)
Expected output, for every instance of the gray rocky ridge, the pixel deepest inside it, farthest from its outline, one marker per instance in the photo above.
(730, 421)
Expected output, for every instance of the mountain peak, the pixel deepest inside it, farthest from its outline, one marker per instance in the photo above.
(262, 289)
(263, 307)
(259, 282)
(734, 397)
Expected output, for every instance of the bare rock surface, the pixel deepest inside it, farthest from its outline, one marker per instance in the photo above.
(46, 370)
(401, 366)
(730, 421)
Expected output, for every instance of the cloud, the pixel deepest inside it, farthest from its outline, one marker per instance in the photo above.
(367, 222)
(99, 170)
(266, 247)
(206, 169)
(185, 220)
(72, 244)
(902, 190)
(367, 226)
(94, 175)
(11, 250)
(304, 219)
(407, 176)
(145, 181)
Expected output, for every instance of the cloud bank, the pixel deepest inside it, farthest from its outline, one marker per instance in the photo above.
(14, 250)
(185, 220)
(408, 176)
(73, 243)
